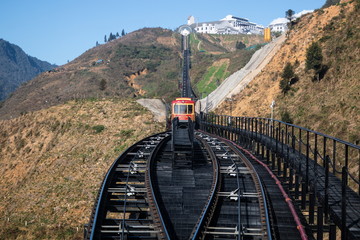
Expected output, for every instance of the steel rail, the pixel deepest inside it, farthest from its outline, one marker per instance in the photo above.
(151, 194)
(264, 214)
(238, 187)
(288, 200)
(257, 179)
(209, 208)
(99, 205)
(125, 202)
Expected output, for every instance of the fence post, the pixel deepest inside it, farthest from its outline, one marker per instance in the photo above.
(293, 138)
(315, 152)
(334, 156)
(291, 178)
(326, 197)
(297, 182)
(332, 231)
(346, 156)
(312, 199)
(307, 160)
(343, 204)
(320, 222)
(324, 151)
(300, 141)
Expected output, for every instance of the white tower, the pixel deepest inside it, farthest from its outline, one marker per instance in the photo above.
(191, 20)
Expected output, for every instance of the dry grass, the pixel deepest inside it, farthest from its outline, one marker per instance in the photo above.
(53, 161)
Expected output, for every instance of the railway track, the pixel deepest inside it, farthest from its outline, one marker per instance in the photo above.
(211, 193)
(124, 201)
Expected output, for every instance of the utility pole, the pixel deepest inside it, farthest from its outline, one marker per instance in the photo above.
(272, 106)
(230, 100)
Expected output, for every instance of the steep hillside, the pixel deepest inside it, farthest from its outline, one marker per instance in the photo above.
(53, 162)
(16, 67)
(144, 63)
(330, 105)
(108, 70)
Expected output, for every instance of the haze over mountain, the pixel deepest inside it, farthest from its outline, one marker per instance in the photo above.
(16, 67)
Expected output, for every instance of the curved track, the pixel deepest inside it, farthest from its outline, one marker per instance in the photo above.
(124, 202)
(212, 193)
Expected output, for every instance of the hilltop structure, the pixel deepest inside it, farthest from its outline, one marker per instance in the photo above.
(227, 25)
(281, 24)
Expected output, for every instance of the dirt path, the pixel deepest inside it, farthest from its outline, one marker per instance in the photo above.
(156, 106)
(238, 81)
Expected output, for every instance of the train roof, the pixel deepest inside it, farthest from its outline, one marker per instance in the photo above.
(183, 100)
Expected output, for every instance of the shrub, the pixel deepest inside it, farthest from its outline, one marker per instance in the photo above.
(126, 133)
(240, 45)
(288, 71)
(98, 128)
(357, 6)
(152, 65)
(314, 60)
(102, 85)
(284, 86)
(288, 77)
(314, 57)
(285, 117)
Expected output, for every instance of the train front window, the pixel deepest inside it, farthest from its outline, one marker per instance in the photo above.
(190, 109)
(179, 109)
(183, 109)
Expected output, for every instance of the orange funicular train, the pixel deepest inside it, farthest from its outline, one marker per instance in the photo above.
(183, 108)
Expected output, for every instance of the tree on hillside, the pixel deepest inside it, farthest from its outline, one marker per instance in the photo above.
(117, 34)
(123, 33)
(287, 75)
(105, 40)
(240, 45)
(289, 15)
(111, 37)
(314, 60)
(288, 72)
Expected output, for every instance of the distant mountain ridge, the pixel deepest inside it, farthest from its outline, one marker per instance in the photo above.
(16, 67)
(142, 64)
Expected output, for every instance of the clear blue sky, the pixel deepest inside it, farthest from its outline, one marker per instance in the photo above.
(61, 30)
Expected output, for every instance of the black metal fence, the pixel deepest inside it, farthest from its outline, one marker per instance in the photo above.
(288, 148)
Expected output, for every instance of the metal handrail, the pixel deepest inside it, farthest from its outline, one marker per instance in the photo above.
(302, 128)
(269, 127)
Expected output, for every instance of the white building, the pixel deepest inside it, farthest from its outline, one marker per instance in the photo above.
(227, 25)
(281, 24)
